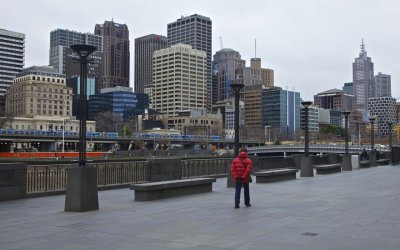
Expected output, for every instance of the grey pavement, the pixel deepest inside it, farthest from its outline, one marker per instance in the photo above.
(348, 210)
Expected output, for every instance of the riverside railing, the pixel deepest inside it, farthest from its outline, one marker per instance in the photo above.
(213, 167)
(272, 162)
(48, 178)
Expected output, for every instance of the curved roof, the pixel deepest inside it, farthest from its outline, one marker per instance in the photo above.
(331, 91)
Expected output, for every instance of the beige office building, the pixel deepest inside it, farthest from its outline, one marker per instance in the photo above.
(39, 99)
(39, 91)
(179, 75)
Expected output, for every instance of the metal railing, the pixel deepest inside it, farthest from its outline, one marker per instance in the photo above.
(47, 178)
(215, 167)
(272, 162)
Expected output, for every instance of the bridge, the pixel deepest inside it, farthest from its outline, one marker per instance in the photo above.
(314, 148)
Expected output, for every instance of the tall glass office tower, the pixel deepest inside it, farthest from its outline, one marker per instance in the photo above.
(194, 30)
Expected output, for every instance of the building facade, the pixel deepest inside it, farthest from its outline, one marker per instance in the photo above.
(179, 75)
(281, 111)
(39, 91)
(144, 50)
(194, 30)
(348, 88)
(384, 109)
(61, 56)
(382, 85)
(363, 79)
(226, 62)
(118, 100)
(12, 57)
(116, 54)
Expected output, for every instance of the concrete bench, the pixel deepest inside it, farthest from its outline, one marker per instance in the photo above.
(365, 164)
(328, 168)
(166, 189)
(274, 175)
(383, 162)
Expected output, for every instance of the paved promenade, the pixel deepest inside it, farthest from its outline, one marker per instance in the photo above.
(348, 210)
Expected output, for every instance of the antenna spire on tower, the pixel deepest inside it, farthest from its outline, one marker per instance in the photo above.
(255, 48)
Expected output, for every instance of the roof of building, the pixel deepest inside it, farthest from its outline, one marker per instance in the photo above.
(332, 91)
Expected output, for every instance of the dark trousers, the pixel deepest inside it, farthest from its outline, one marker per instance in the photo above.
(246, 193)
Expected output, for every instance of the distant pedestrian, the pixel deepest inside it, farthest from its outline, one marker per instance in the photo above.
(130, 148)
(241, 169)
(364, 155)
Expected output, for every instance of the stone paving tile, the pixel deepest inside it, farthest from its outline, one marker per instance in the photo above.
(351, 210)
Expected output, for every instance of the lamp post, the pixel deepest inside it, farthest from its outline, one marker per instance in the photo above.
(346, 159)
(237, 87)
(306, 168)
(373, 155)
(372, 120)
(306, 132)
(81, 194)
(83, 51)
(390, 125)
(346, 131)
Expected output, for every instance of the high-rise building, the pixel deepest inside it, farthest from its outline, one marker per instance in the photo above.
(144, 49)
(179, 75)
(281, 111)
(348, 88)
(116, 55)
(382, 86)
(12, 57)
(61, 56)
(194, 30)
(118, 100)
(39, 91)
(363, 79)
(339, 100)
(267, 75)
(226, 62)
(384, 109)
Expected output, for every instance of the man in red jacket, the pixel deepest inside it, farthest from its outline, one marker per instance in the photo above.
(241, 169)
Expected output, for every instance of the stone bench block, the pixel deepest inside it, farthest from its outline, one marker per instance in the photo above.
(383, 162)
(275, 175)
(166, 189)
(328, 168)
(365, 164)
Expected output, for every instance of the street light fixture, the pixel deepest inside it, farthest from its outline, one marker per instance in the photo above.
(306, 105)
(306, 165)
(390, 125)
(372, 120)
(81, 192)
(346, 131)
(83, 51)
(237, 87)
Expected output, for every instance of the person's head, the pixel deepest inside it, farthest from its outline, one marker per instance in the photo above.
(243, 150)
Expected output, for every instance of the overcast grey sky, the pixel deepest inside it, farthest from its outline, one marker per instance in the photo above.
(310, 44)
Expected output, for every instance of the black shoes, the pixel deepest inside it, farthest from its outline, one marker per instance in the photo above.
(247, 205)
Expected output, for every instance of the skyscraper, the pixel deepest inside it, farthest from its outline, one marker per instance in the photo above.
(12, 57)
(281, 110)
(226, 63)
(116, 53)
(61, 56)
(179, 74)
(363, 79)
(382, 86)
(144, 49)
(194, 30)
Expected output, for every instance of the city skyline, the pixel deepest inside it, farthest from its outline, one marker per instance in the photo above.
(310, 45)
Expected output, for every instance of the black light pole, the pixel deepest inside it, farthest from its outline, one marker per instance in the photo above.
(390, 125)
(81, 192)
(306, 133)
(237, 87)
(372, 120)
(83, 51)
(346, 131)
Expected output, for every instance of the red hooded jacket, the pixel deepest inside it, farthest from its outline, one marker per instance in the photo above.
(241, 167)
